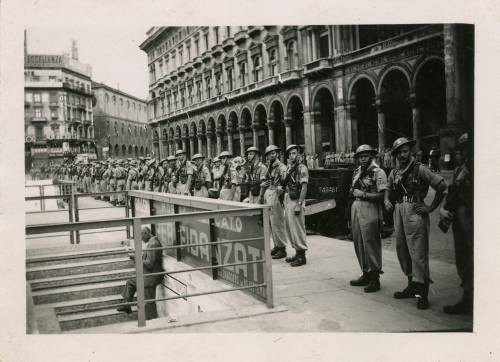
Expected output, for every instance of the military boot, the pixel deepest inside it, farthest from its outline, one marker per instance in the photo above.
(422, 292)
(361, 281)
(280, 253)
(301, 258)
(274, 250)
(465, 306)
(374, 284)
(408, 292)
(292, 258)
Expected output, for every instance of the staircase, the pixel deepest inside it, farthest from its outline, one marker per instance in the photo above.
(73, 283)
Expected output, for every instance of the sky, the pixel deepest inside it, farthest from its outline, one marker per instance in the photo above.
(114, 54)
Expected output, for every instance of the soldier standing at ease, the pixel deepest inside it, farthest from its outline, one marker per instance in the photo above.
(217, 171)
(295, 184)
(369, 183)
(184, 173)
(225, 178)
(256, 174)
(133, 176)
(408, 184)
(458, 209)
(169, 176)
(202, 180)
(271, 191)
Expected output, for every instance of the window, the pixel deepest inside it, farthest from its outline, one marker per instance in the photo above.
(133, 106)
(190, 94)
(174, 61)
(181, 60)
(28, 96)
(198, 91)
(168, 103)
(128, 105)
(183, 100)
(39, 132)
(243, 74)
(167, 65)
(205, 36)
(121, 102)
(160, 67)
(114, 100)
(197, 47)
(228, 31)
(324, 50)
(175, 100)
(123, 129)
(37, 97)
(38, 113)
(257, 66)
(273, 62)
(53, 114)
(106, 97)
(229, 73)
(216, 33)
(218, 84)
(209, 86)
(292, 55)
(188, 50)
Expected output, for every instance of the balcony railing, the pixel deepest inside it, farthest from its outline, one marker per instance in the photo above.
(318, 65)
(39, 119)
(240, 36)
(54, 104)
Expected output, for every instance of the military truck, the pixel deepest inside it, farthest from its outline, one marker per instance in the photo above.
(327, 199)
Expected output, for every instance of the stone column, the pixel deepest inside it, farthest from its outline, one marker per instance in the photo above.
(309, 132)
(171, 149)
(184, 144)
(380, 124)
(209, 144)
(352, 121)
(192, 137)
(415, 109)
(270, 125)
(288, 131)
(200, 142)
(230, 141)
(219, 134)
(340, 129)
(241, 129)
(255, 130)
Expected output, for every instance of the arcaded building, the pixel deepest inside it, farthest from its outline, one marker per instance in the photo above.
(121, 124)
(329, 88)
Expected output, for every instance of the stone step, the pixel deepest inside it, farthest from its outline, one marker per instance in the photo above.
(95, 318)
(54, 295)
(49, 271)
(79, 279)
(73, 257)
(81, 305)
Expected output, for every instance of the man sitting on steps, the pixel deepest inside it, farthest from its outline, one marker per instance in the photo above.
(152, 263)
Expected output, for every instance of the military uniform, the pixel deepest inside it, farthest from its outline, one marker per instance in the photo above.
(120, 175)
(366, 221)
(256, 173)
(201, 180)
(184, 170)
(217, 172)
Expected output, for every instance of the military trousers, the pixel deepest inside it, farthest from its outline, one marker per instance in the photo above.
(295, 225)
(464, 248)
(277, 218)
(225, 194)
(182, 189)
(120, 186)
(366, 222)
(412, 241)
(202, 192)
(112, 187)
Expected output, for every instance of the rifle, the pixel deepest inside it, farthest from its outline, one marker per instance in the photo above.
(285, 182)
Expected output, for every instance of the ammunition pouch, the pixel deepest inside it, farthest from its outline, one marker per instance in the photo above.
(255, 188)
(197, 185)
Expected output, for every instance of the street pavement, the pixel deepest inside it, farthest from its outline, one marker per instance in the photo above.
(317, 296)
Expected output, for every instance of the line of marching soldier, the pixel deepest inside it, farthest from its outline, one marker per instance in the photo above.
(403, 192)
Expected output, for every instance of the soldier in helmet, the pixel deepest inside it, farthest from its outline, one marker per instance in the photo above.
(458, 209)
(133, 176)
(184, 173)
(202, 180)
(158, 175)
(217, 171)
(150, 174)
(369, 183)
(256, 174)
(271, 190)
(238, 174)
(226, 176)
(408, 184)
(169, 180)
(120, 176)
(295, 186)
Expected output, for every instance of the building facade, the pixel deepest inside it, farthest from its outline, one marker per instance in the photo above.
(58, 119)
(121, 128)
(329, 88)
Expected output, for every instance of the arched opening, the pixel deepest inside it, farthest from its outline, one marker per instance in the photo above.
(394, 97)
(193, 135)
(116, 152)
(177, 138)
(147, 152)
(246, 124)
(260, 127)
(222, 126)
(430, 92)
(203, 131)
(136, 151)
(364, 113)
(142, 151)
(323, 108)
(213, 138)
(295, 115)
(279, 132)
(130, 150)
(124, 150)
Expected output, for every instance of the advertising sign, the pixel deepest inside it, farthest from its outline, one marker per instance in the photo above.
(223, 228)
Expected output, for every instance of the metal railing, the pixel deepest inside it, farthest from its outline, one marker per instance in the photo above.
(138, 222)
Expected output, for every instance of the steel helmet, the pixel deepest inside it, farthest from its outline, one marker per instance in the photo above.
(164, 160)
(365, 149)
(216, 159)
(179, 152)
(271, 148)
(463, 141)
(252, 148)
(401, 142)
(198, 155)
(224, 154)
(171, 158)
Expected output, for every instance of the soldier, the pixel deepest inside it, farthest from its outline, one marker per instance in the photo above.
(217, 171)
(158, 176)
(408, 184)
(169, 179)
(458, 209)
(133, 176)
(238, 174)
(149, 175)
(271, 191)
(202, 180)
(120, 174)
(369, 183)
(256, 174)
(225, 178)
(106, 181)
(295, 187)
(184, 173)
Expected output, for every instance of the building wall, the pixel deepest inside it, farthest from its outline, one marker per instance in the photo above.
(121, 124)
(330, 88)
